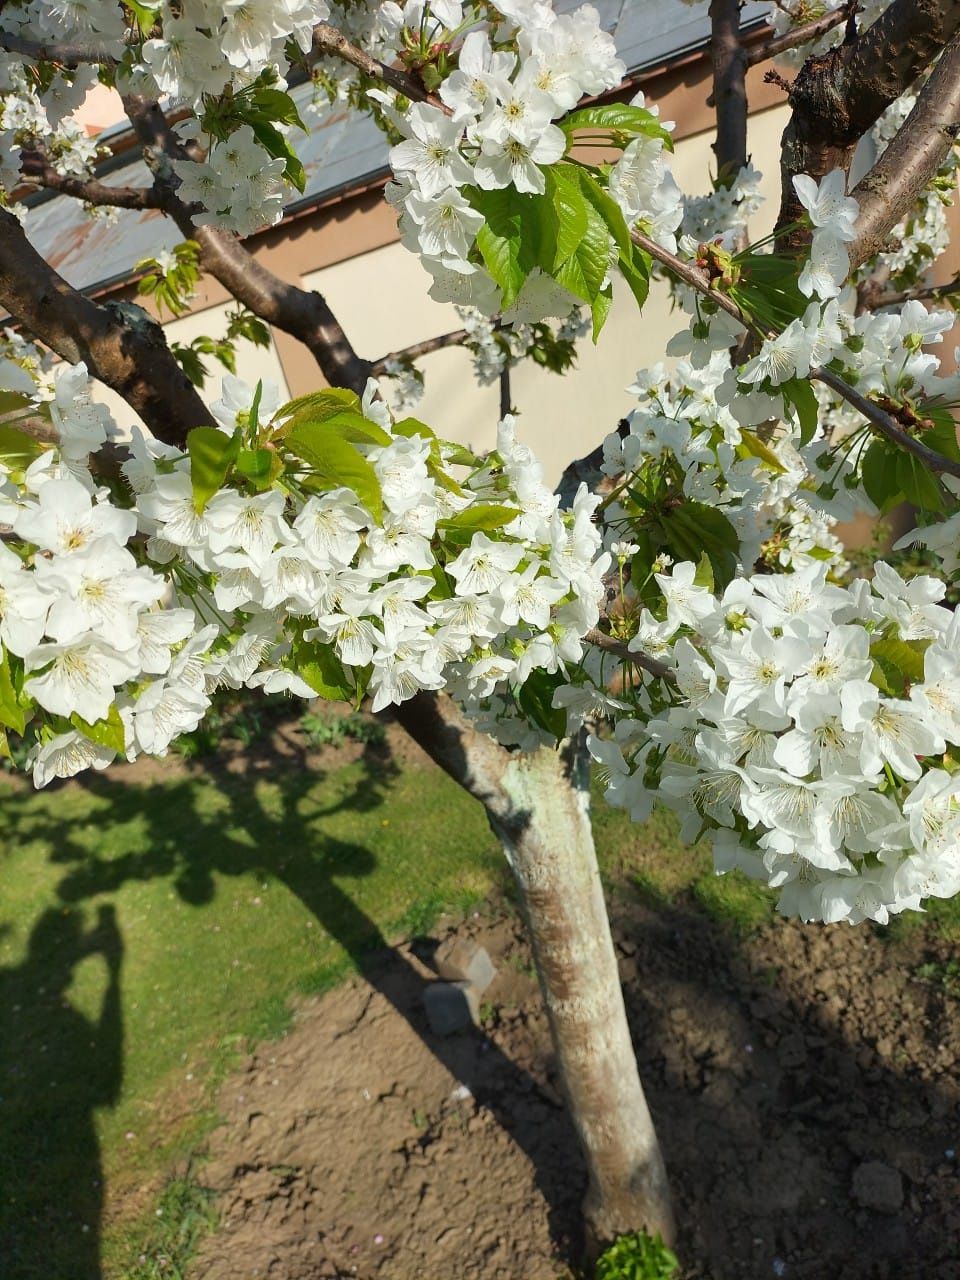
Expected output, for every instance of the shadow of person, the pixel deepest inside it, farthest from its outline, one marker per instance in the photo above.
(57, 1066)
(258, 835)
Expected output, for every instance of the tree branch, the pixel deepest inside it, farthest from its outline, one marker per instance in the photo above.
(36, 167)
(797, 36)
(729, 87)
(119, 343)
(923, 293)
(600, 640)
(840, 94)
(912, 158)
(455, 338)
(328, 41)
(884, 423)
(67, 55)
(301, 312)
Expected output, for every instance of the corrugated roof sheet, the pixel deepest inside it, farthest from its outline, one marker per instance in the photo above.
(343, 150)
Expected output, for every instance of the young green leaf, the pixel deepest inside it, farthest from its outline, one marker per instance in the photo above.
(800, 395)
(107, 733)
(618, 117)
(481, 515)
(322, 670)
(335, 463)
(212, 455)
(12, 713)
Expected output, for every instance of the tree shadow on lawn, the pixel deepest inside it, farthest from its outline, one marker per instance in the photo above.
(57, 1066)
(192, 849)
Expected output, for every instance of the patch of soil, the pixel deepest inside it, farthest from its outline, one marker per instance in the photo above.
(804, 1086)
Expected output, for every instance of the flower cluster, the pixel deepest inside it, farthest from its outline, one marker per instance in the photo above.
(809, 731)
(495, 129)
(118, 623)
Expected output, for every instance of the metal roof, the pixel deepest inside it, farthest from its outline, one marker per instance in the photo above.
(343, 150)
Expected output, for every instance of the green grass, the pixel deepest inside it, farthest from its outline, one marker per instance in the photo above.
(663, 871)
(150, 931)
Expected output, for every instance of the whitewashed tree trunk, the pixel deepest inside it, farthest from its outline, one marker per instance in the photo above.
(550, 847)
(539, 806)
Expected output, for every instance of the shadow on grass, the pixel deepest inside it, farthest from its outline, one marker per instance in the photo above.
(193, 850)
(56, 1067)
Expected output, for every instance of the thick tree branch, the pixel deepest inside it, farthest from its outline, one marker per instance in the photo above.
(793, 39)
(455, 338)
(119, 344)
(729, 87)
(37, 169)
(839, 95)
(471, 758)
(329, 42)
(912, 158)
(301, 312)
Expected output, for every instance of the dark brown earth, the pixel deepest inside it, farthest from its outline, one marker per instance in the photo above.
(804, 1084)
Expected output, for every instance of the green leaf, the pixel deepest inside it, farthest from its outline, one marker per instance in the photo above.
(535, 698)
(413, 427)
(585, 270)
(878, 475)
(480, 516)
(260, 466)
(145, 14)
(635, 269)
(12, 713)
(444, 589)
(17, 448)
(919, 486)
(900, 660)
(336, 463)
(212, 454)
(619, 117)
(693, 529)
(518, 234)
(253, 417)
(704, 575)
(279, 106)
(323, 671)
(568, 207)
(943, 436)
(276, 145)
(608, 209)
(107, 733)
(753, 446)
(321, 404)
(800, 394)
(601, 309)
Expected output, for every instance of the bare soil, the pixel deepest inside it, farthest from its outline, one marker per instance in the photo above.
(804, 1084)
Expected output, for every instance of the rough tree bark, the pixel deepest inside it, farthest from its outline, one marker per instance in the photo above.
(303, 313)
(837, 96)
(538, 804)
(120, 344)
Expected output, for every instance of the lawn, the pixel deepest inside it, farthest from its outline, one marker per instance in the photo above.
(156, 923)
(149, 930)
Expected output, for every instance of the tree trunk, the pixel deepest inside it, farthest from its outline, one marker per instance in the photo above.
(549, 844)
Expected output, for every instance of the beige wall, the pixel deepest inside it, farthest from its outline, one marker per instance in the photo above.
(349, 252)
(381, 299)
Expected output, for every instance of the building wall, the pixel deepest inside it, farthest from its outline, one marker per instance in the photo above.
(378, 290)
(380, 298)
